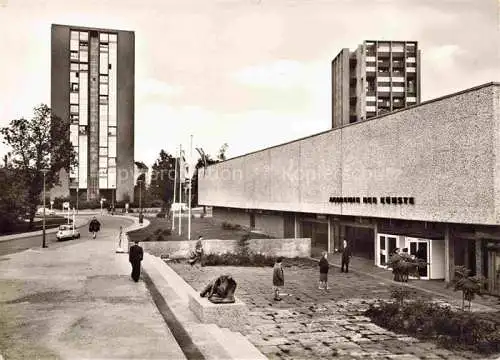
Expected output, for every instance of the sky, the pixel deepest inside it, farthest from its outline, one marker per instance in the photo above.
(249, 73)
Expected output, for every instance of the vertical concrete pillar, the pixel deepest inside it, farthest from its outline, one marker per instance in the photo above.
(375, 241)
(330, 234)
(449, 255)
(479, 257)
(296, 227)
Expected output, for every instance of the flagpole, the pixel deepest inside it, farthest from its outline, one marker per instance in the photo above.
(175, 188)
(180, 188)
(189, 196)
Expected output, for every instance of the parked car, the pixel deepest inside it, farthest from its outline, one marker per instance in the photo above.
(48, 211)
(178, 206)
(67, 232)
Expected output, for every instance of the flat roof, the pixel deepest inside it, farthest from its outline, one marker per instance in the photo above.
(475, 88)
(78, 27)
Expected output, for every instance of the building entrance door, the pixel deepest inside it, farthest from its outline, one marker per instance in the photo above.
(385, 246)
(494, 272)
(420, 248)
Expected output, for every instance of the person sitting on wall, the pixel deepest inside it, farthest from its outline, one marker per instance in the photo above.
(220, 290)
(197, 254)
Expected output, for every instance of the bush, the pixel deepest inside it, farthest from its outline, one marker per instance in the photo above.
(451, 329)
(161, 214)
(160, 238)
(229, 259)
(167, 232)
(228, 226)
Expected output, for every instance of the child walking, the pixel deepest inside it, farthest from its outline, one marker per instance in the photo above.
(323, 271)
(278, 278)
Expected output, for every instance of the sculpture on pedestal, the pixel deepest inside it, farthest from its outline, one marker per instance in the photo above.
(220, 290)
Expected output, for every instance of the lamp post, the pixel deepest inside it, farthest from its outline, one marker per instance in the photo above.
(140, 196)
(44, 245)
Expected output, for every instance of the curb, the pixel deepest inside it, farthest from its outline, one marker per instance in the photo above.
(212, 341)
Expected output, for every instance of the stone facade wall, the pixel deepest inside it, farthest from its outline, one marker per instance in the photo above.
(442, 153)
(273, 247)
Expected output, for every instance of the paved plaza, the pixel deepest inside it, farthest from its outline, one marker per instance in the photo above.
(313, 323)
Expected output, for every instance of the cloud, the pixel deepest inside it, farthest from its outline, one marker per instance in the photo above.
(281, 74)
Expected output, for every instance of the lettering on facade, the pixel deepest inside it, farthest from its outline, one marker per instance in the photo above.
(384, 200)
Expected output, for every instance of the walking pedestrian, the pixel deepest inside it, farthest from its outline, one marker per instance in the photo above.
(94, 227)
(323, 271)
(346, 257)
(135, 256)
(278, 278)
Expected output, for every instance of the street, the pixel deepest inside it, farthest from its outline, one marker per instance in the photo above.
(17, 245)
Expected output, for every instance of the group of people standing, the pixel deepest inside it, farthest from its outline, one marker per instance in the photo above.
(324, 267)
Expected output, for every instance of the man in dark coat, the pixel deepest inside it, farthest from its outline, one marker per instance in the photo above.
(346, 256)
(135, 256)
(94, 227)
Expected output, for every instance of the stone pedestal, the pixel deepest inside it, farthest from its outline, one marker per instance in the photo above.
(224, 315)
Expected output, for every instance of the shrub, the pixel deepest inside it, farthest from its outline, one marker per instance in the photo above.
(160, 238)
(243, 245)
(167, 232)
(161, 214)
(426, 320)
(157, 231)
(228, 226)
(470, 286)
(228, 259)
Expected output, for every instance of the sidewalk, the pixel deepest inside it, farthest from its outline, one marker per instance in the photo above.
(78, 302)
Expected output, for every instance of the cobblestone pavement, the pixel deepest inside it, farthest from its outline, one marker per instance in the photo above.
(313, 323)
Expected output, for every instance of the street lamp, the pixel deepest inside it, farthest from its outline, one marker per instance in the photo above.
(140, 201)
(44, 172)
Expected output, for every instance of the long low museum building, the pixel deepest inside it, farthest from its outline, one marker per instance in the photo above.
(426, 178)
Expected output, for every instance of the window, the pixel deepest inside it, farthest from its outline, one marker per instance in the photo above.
(84, 56)
(73, 109)
(84, 67)
(112, 131)
(73, 134)
(103, 89)
(74, 87)
(74, 35)
(82, 130)
(111, 162)
(112, 38)
(73, 98)
(73, 118)
(103, 162)
(103, 63)
(103, 99)
(103, 37)
(109, 66)
(103, 79)
(74, 66)
(103, 151)
(104, 48)
(84, 35)
(112, 146)
(73, 55)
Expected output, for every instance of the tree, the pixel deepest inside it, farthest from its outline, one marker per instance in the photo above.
(12, 195)
(470, 286)
(40, 143)
(221, 155)
(163, 178)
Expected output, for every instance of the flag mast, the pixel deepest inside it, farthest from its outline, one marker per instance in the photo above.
(175, 188)
(190, 185)
(180, 188)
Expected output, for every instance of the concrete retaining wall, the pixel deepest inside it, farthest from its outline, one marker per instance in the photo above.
(273, 247)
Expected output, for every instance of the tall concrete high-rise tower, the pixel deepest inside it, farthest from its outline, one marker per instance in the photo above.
(378, 77)
(92, 85)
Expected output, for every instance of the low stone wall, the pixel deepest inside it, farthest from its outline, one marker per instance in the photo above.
(273, 247)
